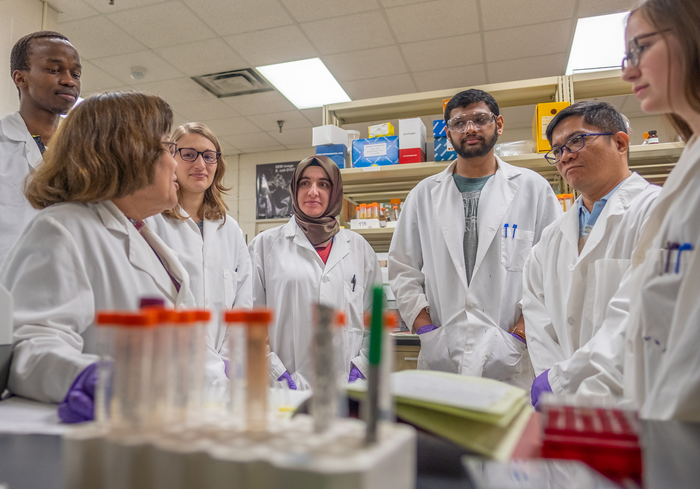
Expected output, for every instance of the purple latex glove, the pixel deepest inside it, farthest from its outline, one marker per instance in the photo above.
(355, 374)
(79, 404)
(288, 378)
(426, 329)
(517, 337)
(539, 387)
(226, 367)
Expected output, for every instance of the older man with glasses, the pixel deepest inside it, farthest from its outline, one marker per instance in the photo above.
(458, 250)
(578, 265)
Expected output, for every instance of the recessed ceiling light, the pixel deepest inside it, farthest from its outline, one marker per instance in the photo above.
(306, 83)
(599, 43)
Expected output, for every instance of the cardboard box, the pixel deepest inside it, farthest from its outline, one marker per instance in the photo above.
(444, 150)
(336, 152)
(411, 155)
(375, 151)
(329, 134)
(439, 128)
(544, 113)
(381, 130)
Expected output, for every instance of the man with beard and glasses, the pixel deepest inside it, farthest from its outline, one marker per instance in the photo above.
(458, 251)
(45, 68)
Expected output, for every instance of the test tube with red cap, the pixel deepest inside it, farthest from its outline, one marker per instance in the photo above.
(197, 376)
(107, 324)
(133, 350)
(324, 402)
(236, 329)
(179, 378)
(257, 321)
(162, 358)
(341, 375)
(386, 401)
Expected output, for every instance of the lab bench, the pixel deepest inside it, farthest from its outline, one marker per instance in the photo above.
(670, 458)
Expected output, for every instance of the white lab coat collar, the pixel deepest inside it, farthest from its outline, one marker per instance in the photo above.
(496, 197)
(340, 249)
(14, 128)
(141, 255)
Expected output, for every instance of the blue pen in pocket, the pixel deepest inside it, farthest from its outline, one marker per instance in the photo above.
(681, 249)
(506, 230)
(515, 226)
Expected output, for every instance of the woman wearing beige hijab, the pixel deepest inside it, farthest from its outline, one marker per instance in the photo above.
(308, 260)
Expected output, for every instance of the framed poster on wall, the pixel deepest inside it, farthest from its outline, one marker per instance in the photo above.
(272, 190)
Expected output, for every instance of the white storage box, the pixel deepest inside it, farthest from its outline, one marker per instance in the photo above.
(329, 134)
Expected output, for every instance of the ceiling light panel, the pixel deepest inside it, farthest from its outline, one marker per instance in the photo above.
(599, 43)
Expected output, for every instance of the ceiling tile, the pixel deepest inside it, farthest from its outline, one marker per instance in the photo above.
(120, 67)
(523, 42)
(457, 77)
(104, 6)
(306, 10)
(72, 10)
(512, 13)
(526, 68)
(163, 24)
(250, 143)
(232, 126)
(229, 17)
(259, 103)
(292, 120)
(591, 8)
(380, 87)
(300, 136)
(175, 91)
(369, 63)
(443, 53)
(203, 57)
(350, 33)
(272, 46)
(315, 116)
(94, 79)
(425, 21)
(396, 3)
(205, 110)
(179, 119)
(98, 37)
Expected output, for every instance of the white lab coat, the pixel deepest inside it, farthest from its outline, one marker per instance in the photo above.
(426, 269)
(565, 295)
(289, 276)
(19, 154)
(71, 261)
(217, 262)
(662, 348)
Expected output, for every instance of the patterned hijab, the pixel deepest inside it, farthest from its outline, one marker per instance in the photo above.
(320, 229)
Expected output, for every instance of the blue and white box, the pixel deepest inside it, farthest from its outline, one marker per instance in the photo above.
(444, 150)
(336, 152)
(439, 129)
(375, 151)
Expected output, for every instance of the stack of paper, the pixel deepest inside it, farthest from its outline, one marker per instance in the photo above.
(483, 415)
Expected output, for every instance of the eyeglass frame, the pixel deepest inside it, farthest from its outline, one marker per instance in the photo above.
(564, 146)
(478, 127)
(636, 50)
(171, 147)
(217, 153)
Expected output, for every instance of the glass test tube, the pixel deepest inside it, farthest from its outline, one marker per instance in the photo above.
(178, 386)
(386, 401)
(195, 400)
(257, 321)
(133, 349)
(107, 323)
(339, 362)
(237, 362)
(161, 366)
(324, 401)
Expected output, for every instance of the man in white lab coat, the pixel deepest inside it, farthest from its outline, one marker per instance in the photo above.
(577, 266)
(458, 251)
(46, 69)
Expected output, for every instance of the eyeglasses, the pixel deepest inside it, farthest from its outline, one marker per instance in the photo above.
(170, 147)
(478, 119)
(573, 145)
(634, 50)
(209, 157)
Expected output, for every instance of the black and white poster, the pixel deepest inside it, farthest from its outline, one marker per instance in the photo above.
(272, 190)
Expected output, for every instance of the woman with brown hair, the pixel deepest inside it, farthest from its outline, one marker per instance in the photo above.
(209, 243)
(308, 260)
(110, 166)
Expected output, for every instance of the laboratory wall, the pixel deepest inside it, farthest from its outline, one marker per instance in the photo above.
(17, 18)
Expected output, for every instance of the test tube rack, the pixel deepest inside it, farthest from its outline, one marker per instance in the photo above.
(289, 456)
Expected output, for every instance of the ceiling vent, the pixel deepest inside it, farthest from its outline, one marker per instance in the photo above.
(232, 83)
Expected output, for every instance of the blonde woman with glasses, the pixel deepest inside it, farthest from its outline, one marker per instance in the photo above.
(209, 242)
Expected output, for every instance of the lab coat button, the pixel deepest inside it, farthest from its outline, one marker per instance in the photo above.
(571, 267)
(325, 279)
(469, 349)
(571, 321)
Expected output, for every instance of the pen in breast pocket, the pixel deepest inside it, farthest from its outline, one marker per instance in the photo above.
(515, 226)
(681, 249)
(353, 282)
(505, 228)
(669, 248)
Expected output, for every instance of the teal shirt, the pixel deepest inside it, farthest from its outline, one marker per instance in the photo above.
(470, 188)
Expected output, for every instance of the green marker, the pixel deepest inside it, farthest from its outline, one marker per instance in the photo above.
(375, 358)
